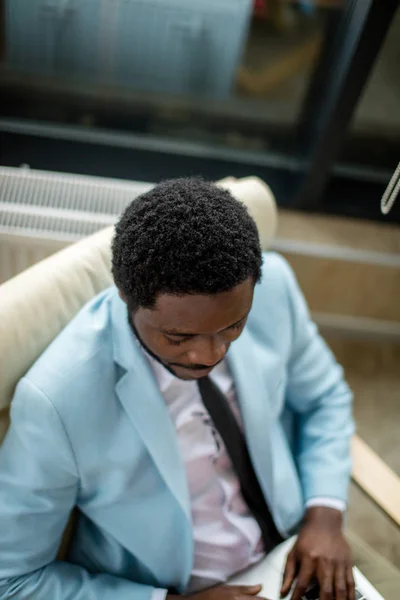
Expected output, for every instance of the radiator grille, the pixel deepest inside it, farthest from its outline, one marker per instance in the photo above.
(68, 192)
(37, 224)
(38, 209)
(61, 206)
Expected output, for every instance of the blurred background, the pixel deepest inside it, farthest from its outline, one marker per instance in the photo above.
(305, 94)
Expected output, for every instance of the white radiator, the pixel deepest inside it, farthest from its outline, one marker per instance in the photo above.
(41, 212)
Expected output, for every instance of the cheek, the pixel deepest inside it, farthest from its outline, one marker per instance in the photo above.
(162, 348)
(158, 344)
(149, 338)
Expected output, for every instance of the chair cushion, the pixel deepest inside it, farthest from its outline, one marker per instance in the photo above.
(38, 303)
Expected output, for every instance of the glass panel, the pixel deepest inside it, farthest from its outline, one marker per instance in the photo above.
(370, 151)
(374, 134)
(231, 73)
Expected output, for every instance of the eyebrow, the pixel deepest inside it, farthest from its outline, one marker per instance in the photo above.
(175, 332)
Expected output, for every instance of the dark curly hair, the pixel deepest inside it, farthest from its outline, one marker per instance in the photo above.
(185, 236)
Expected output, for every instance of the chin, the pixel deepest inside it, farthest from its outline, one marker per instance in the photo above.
(181, 374)
(191, 375)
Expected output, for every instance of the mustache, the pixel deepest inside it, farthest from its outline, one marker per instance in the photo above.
(195, 367)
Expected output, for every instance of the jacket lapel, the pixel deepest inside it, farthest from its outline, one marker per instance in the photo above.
(254, 369)
(149, 415)
(138, 392)
(255, 407)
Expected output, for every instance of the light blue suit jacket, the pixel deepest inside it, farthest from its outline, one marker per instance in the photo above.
(90, 428)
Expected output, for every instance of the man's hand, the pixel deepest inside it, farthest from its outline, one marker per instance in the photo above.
(226, 592)
(320, 553)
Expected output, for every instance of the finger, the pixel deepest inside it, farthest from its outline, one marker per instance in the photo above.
(351, 586)
(307, 570)
(325, 577)
(235, 592)
(289, 574)
(254, 598)
(249, 590)
(340, 582)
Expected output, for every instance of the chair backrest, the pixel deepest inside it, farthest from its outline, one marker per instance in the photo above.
(38, 303)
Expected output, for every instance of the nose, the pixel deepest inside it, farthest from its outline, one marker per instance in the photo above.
(208, 351)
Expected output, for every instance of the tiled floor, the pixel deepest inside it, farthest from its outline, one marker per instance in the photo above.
(339, 231)
(344, 287)
(373, 371)
(344, 266)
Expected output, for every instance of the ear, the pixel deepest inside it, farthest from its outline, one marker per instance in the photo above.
(122, 296)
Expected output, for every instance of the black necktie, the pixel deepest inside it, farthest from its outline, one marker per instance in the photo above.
(225, 422)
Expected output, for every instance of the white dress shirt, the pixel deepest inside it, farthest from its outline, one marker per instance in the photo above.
(227, 538)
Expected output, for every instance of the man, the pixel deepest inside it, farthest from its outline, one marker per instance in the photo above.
(192, 414)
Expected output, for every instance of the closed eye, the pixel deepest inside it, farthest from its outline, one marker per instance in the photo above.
(237, 325)
(178, 340)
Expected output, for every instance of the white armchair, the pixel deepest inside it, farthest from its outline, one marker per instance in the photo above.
(38, 303)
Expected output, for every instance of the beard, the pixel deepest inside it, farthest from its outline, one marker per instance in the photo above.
(167, 366)
(146, 348)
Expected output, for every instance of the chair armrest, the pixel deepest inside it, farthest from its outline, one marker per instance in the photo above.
(376, 478)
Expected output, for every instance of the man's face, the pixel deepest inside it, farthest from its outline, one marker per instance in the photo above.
(191, 334)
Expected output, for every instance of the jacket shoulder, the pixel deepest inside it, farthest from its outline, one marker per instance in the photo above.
(277, 281)
(71, 355)
(276, 268)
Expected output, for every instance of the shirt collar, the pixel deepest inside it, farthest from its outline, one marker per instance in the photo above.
(165, 378)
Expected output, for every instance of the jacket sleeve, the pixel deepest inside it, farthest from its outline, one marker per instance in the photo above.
(38, 490)
(322, 401)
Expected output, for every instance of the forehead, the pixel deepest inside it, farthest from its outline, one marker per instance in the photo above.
(201, 313)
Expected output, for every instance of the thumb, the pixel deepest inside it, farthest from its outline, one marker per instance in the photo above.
(289, 573)
(250, 590)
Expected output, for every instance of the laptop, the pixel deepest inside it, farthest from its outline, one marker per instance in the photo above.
(269, 573)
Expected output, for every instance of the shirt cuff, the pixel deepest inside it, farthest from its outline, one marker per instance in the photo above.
(328, 502)
(159, 594)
